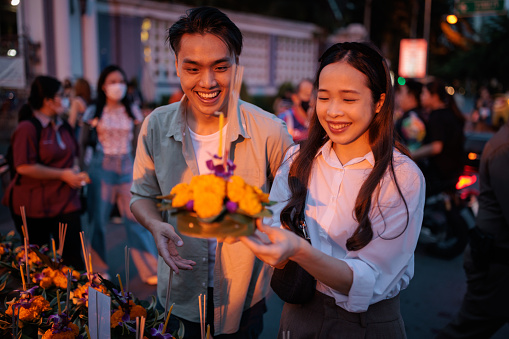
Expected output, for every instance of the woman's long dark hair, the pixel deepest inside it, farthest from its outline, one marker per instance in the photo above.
(101, 96)
(365, 58)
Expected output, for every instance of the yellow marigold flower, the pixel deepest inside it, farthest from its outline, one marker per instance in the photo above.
(250, 202)
(236, 188)
(207, 204)
(208, 183)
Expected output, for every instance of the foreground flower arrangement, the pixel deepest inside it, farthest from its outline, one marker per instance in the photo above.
(44, 308)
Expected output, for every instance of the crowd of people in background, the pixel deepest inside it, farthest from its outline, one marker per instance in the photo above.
(74, 154)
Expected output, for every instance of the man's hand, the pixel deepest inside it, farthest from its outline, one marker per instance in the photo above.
(167, 242)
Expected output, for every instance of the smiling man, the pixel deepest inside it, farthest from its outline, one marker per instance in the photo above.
(174, 144)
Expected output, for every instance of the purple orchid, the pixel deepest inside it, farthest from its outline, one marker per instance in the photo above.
(60, 323)
(158, 333)
(217, 166)
(231, 206)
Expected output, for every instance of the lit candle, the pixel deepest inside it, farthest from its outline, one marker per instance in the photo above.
(221, 125)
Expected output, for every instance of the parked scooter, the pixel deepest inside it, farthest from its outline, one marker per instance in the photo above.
(448, 217)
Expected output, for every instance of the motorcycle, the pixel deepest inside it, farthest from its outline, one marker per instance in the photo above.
(449, 216)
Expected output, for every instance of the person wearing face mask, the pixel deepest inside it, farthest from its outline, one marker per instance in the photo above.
(117, 124)
(297, 117)
(47, 178)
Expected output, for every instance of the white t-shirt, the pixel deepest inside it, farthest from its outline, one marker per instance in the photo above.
(205, 146)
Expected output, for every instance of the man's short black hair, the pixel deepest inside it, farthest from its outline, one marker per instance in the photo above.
(203, 20)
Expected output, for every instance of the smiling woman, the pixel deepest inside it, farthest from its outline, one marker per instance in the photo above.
(362, 199)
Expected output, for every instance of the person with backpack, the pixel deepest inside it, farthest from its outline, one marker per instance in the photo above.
(47, 179)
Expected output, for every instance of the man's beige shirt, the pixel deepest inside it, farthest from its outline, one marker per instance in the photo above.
(164, 158)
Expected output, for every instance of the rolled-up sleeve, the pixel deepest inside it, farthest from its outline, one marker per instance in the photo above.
(145, 184)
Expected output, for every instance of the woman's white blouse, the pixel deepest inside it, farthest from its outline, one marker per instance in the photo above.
(385, 266)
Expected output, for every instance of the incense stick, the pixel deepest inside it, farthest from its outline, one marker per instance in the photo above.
(85, 257)
(62, 230)
(168, 292)
(69, 277)
(201, 316)
(24, 228)
(58, 302)
(167, 319)
(142, 327)
(54, 249)
(120, 283)
(127, 254)
(27, 247)
(22, 277)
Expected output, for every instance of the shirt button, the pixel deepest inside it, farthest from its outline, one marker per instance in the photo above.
(204, 259)
(203, 284)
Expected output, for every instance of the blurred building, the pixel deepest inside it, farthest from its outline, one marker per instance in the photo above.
(77, 38)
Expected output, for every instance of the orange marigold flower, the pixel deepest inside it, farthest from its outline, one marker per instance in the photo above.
(2, 249)
(182, 195)
(138, 311)
(208, 183)
(235, 188)
(208, 205)
(73, 333)
(250, 202)
(33, 313)
(262, 196)
(116, 318)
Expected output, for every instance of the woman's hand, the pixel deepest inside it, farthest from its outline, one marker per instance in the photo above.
(74, 179)
(274, 246)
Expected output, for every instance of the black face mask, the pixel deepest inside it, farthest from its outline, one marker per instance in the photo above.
(304, 105)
